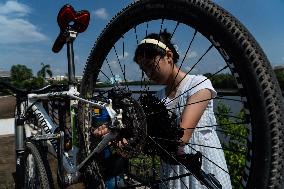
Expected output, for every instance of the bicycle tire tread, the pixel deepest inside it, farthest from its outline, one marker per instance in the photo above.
(44, 181)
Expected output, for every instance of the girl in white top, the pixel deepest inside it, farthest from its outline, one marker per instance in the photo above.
(157, 57)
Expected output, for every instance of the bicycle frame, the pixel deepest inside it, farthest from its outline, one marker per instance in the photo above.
(50, 129)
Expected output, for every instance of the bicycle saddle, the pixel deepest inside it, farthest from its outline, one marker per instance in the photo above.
(70, 19)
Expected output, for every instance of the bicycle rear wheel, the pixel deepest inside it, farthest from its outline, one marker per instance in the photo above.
(35, 174)
(259, 121)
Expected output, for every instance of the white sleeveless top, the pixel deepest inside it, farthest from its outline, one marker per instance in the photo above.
(203, 137)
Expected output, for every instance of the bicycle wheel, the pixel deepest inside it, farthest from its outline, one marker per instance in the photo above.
(251, 137)
(34, 172)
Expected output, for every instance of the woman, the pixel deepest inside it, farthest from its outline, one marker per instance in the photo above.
(191, 98)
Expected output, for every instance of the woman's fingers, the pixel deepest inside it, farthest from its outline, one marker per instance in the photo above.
(100, 131)
(121, 143)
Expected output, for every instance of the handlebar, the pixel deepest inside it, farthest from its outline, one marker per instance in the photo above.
(23, 92)
(14, 89)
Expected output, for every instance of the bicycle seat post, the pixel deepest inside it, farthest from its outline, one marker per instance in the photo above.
(71, 36)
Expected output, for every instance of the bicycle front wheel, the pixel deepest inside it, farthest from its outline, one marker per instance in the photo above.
(219, 46)
(35, 174)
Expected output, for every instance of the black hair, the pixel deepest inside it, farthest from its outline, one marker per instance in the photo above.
(150, 51)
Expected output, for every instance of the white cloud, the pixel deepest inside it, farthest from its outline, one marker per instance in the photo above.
(77, 59)
(15, 28)
(126, 54)
(114, 64)
(14, 7)
(191, 54)
(101, 13)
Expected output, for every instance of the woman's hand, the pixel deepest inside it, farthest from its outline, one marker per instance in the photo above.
(100, 131)
(103, 130)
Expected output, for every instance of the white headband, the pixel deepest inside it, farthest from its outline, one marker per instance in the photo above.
(155, 42)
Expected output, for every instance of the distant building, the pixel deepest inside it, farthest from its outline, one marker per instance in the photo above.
(5, 74)
(79, 78)
(62, 77)
(56, 78)
(279, 68)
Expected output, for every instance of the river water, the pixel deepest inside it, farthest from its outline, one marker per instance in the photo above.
(232, 102)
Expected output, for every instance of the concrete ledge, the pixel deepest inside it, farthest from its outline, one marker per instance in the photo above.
(7, 126)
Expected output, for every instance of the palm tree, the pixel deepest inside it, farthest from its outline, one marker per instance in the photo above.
(45, 69)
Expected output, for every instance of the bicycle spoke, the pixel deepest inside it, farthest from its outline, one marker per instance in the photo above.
(162, 180)
(123, 73)
(239, 136)
(228, 116)
(109, 68)
(229, 99)
(201, 145)
(161, 25)
(173, 158)
(225, 67)
(105, 75)
(145, 182)
(123, 47)
(187, 50)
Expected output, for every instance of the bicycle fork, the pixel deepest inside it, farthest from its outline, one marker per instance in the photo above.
(19, 147)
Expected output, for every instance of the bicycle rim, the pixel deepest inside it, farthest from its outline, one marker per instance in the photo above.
(222, 36)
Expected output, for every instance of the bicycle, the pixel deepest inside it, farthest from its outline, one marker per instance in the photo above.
(261, 120)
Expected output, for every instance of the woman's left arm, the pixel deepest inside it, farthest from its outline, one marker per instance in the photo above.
(196, 105)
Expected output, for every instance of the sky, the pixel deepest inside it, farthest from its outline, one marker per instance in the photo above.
(28, 29)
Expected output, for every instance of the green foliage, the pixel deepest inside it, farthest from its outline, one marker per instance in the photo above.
(280, 77)
(4, 91)
(34, 83)
(22, 77)
(234, 139)
(145, 166)
(20, 73)
(222, 81)
(227, 81)
(45, 70)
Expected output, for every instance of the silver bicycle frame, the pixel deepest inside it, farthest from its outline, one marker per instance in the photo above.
(49, 128)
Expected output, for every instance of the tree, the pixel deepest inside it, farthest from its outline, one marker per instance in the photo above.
(20, 73)
(233, 132)
(45, 69)
(222, 81)
(280, 77)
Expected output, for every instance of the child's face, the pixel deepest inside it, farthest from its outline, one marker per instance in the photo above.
(158, 69)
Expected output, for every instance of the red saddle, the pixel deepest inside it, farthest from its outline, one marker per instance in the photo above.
(68, 18)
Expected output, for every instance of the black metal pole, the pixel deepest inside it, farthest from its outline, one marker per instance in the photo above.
(71, 66)
(70, 56)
